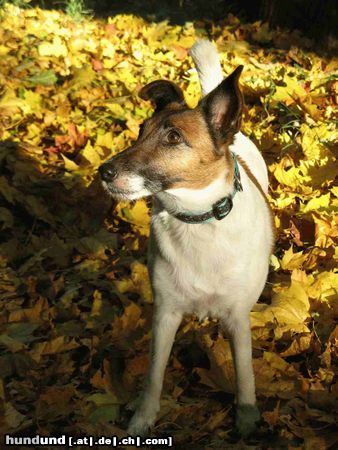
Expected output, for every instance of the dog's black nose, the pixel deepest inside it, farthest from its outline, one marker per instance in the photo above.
(107, 172)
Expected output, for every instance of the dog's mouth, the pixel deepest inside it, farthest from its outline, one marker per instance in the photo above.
(127, 187)
(116, 192)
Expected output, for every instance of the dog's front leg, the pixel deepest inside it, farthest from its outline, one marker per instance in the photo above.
(247, 413)
(165, 325)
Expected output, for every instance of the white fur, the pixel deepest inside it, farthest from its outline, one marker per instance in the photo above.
(205, 57)
(215, 269)
(182, 199)
(132, 184)
(245, 148)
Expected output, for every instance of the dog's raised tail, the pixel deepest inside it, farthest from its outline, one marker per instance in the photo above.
(206, 60)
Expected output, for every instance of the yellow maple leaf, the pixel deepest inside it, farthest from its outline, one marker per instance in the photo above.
(97, 303)
(140, 277)
(298, 345)
(32, 102)
(69, 164)
(325, 287)
(137, 214)
(289, 309)
(55, 48)
(289, 176)
(105, 140)
(116, 110)
(291, 261)
(10, 103)
(34, 133)
(312, 138)
(326, 230)
(91, 155)
(316, 203)
(129, 321)
(285, 94)
(4, 50)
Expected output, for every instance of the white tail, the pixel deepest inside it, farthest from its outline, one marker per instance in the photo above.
(206, 60)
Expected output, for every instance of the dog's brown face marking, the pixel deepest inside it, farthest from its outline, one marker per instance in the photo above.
(178, 146)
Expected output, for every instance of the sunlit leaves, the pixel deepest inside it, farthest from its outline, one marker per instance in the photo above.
(55, 48)
(75, 294)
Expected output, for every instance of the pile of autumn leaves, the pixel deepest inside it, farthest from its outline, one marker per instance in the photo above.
(69, 101)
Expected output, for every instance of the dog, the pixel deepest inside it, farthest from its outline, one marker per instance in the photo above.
(212, 229)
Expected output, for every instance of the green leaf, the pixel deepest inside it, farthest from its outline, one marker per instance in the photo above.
(47, 78)
(101, 399)
(106, 413)
(22, 332)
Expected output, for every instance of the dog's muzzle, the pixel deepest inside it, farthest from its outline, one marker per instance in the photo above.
(114, 181)
(121, 183)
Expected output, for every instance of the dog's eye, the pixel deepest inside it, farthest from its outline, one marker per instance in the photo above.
(173, 137)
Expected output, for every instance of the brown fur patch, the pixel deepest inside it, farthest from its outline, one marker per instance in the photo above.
(259, 187)
(194, 163)
(200, 165)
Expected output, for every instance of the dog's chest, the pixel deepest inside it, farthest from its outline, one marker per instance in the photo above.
(201, 264)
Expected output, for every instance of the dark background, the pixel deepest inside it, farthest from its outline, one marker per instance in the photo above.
(315, 18)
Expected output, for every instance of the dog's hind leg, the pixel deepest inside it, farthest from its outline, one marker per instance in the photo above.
(165, 325)
(247, 413)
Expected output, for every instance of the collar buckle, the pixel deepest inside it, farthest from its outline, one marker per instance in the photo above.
(222, 208)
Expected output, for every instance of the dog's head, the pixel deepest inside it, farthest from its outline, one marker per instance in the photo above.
(178, 146)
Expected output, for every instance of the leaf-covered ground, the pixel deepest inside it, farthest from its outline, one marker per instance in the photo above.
(75, 299)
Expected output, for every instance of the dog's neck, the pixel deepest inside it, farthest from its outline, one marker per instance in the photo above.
(196, 201)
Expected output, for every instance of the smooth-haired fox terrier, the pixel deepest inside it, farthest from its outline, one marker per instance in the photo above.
(212, 229)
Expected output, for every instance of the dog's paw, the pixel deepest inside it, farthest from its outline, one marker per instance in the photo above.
(247, 417)
(141, 422)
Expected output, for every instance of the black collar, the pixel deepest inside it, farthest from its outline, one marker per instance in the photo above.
(221, 208)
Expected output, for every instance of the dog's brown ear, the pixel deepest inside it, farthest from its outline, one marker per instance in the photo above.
(161, 93)
(223, 107)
